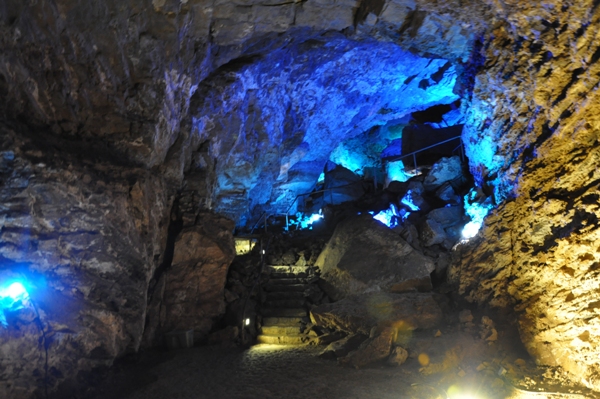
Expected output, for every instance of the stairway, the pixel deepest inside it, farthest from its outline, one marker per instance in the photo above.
(285, 309)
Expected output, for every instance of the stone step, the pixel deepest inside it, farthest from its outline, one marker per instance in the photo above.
(287, 281)
(285, 295)
(278, 287)
(276, 272)
(281, 330)
(281, 275)
(288, 269)
(284, 303)
(283, 321)
(279, 312)
(283, 340)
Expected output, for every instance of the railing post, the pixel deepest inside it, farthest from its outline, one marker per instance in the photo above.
(415, 161)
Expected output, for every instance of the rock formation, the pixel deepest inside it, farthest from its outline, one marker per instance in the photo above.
(114, 114)
(365, 256)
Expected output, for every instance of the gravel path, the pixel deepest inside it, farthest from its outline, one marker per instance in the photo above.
(263, 371)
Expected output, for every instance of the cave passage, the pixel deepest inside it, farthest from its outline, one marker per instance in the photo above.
(404, 192)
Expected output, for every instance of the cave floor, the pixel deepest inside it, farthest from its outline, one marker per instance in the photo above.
(458, 362)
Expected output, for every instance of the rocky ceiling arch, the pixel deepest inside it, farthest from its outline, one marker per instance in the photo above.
(98, 131)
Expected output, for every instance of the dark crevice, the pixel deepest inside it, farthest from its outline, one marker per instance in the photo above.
(439, 75)
(574, 78)
(412, 23)
(595, 56)
(580, 220)
(547, 131)
(367, 7)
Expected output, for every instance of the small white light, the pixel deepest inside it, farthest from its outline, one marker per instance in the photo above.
(264, 252)
(15, 291)
(247, 322)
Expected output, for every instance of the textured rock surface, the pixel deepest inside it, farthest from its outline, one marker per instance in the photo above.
(118, 79)
(533, 140)
(194, 285)
(272, 124)
(360, 313)
(86, 234)
(259, 71)
(363, 255)
(372, 350)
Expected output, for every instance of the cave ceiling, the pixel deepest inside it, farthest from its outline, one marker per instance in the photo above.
(247, 99)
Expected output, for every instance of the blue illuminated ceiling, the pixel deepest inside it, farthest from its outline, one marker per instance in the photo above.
(273, 121)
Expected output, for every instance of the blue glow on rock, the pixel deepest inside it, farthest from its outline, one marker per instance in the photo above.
(477, 212)
(396, 171)
(408, 201)
(15, 292)
(305, 222)
(390, 216)
(13, 297)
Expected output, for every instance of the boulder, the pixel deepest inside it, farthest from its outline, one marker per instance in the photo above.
(422, 284)
(194, 293)
(445, 170)
(345, 186)
(432, 233)
(372, 350)
(343, 346)
(364, 255)
(447, 216)
(398, 356)
(447, 194)
(360, 313)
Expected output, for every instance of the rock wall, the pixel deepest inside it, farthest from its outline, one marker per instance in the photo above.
(532, 139)
(124, 74)
(85, 235)
(191, 292)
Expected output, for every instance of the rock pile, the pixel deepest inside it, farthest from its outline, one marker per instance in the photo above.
(363, 255)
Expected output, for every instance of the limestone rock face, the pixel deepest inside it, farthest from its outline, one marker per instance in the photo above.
(533, 134)
(360, 313)
(85, 235)
(195, 283)
(364, 255)
(445, 170)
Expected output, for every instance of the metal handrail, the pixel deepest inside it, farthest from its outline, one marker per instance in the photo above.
(330, 189)
(414, 153)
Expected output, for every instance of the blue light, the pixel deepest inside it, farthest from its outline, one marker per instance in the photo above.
(306, 221)
(477, 212)
(390, 216)
(13, 297)
(409, 201)
(16, 291)
(396, 171)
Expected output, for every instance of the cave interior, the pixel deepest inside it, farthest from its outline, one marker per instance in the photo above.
(161, 161)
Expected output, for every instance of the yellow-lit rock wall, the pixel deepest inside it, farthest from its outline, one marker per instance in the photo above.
(536, 101)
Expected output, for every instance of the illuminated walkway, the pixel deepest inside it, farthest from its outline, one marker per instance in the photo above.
(264, 371)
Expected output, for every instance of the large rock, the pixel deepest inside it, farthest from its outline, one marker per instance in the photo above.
(432, 233)
(445, 170)
(372, 350)
(364, 255)
(194, 294)
(343, 186)
(360, 313)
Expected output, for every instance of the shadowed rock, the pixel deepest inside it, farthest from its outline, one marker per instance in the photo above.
(360, 313)
(364, 255)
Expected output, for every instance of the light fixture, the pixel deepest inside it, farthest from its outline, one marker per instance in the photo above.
(13, 292)
(247, 322)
